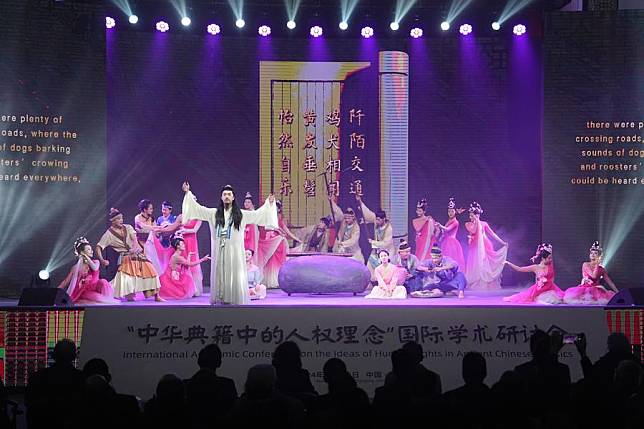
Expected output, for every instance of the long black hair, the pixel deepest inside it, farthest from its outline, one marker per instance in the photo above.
(236, 211)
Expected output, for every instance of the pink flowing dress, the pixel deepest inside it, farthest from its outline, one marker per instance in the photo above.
(425, 238)
(251, 240)
(544, 290)
(591, 291)
(89, 288)
(450, 245)
(177, 282)
(484, 264)
(272, 250)
(192, 246)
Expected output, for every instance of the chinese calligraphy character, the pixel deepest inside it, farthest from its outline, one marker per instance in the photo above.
(457, 333)
(285, 116)
(356, 114)
(246, 334)
(171, 333)
(358, 139)
(285, 187)
(480, 334)
(296, 335)
(196, 332)
(286, 165)
(285, 141)
(222, 334)
(408, 333)
(333, 118)
(512, 334)
(334, 188)
(355, 187)
(374, 335)
(332, 165)
(322, 335)
(309, 188)
(433, 335)
(333, 142)
(310, 165)
(347, 334)
(148, 332)
(309, 117)
(310, 141)
(355, 164)
(268, 335)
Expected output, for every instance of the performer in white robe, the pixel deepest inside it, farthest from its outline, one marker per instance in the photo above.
(228, 278)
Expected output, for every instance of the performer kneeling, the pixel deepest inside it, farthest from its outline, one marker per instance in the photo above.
(82, 282)
(591, 291)
(177, 281)
(413, 280)
(390, 278)
(442, 276)
(256, 290)
(135, 272)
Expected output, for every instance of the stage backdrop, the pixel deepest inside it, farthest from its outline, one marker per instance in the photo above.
(594, 142)
(465, 114)
(52, 135)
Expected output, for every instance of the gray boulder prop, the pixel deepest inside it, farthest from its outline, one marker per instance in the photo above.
(323, 274)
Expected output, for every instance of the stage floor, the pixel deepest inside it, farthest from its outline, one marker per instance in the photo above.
(280, 298)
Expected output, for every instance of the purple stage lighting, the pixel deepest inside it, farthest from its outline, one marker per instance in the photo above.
(416, 32)
(316, 31)
(162, 26)
(519, 29)
(465, 29)
(213, 29)
(109, 22)
(366, 32)
(264, 30)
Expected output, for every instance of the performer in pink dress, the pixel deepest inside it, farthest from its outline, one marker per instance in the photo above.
(450, 246)
(251, 232)
(82, 282)
(484, 263)
(544, 290)
(273, 247)
(189, 234)
(426, 231)
(176, 281)
(146, 234)
(590, 291)
(390, 279)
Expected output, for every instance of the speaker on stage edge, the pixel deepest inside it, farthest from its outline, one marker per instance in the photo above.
(44, 297)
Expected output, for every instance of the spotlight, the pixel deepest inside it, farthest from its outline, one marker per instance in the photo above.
(240, 23)
(290, 25)
(465, 29)
(444, 25)
(366, 32)
(185, 21)
(316, 31)
(394, 26)
(496, 26)
(519, 29)
(264, 30)
(343, 25)
(41, 279)
(162, 26)
(213, 29)
(109, 22)
(133, 19)
(43, 275)
(416, 32)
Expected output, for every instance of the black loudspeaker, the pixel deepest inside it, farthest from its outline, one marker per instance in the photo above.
(44, 297)
(628, 297)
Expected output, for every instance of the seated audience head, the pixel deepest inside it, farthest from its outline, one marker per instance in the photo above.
(260, 381)
(64, 352)
(627, 376)
(540, 345)
(414, 350)
(401, 362)
(474, 368)
(97, 366)
(287, 356)
(170, 389)
(333, 370)
(210, 357)
(617, 342)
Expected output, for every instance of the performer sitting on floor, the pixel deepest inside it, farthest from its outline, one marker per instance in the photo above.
(82, 282)
(348, 237)
(590, 291)
(382, 233)
(135, 272)
(544, 290)
(256, 290)
(316, 237)
(390, 279)
(409, 263)
(177, 281)
(442, 276)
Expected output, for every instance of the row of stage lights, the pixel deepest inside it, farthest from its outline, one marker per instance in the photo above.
(316, 30)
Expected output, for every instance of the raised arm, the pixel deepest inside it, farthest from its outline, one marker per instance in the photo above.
(183, 261)
(142, 227)
(369, 216)
(526, 269)
(265, 216)
(337, 211)
(191, 209)
(493, 234)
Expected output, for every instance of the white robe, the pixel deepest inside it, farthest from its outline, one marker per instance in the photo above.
(228, 278)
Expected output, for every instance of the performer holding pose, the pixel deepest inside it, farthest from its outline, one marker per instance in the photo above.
(168, 223)
(544, 290)
(382, 233)
(484, 264)
(442, 276)
(82, 282)
(228, 277)
(590, 291)
(426, 230)
(348, 237)
(390, 278)
(135, 272)
(450, 245)
(251, 232)
(146, 234)
(189, 234)
(409, 263)
(177, 281)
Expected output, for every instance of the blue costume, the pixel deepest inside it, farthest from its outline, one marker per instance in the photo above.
(446, 280)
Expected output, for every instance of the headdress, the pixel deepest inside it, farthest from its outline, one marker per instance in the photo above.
(80, 241)
(167, 204)
(475, 208)
(596, 247)
(422, 204)
(248, 196)
(403, 245)
(326, 220)
(349, 211)
(113, 213)
(451, 204)
(228, 188)
(436, 251)
(543, 247)
(381, 214)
